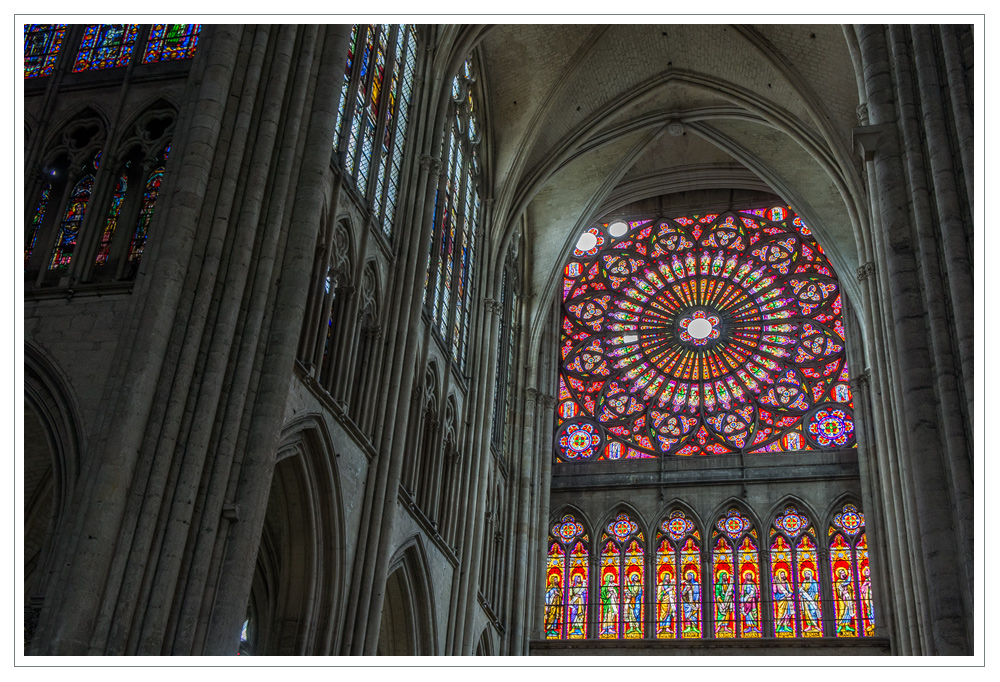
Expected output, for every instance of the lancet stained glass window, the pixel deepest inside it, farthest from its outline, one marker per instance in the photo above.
(374, 110)
(104, 248)
(37, 216)
(168, 42)
(736, 600)
(76, 208)
(105, 46)
(621, 580)
(149, 195)
(701, 335)
(850, 575)
(678, 579)
(457, 210)
(566, 581)
(795, 576)
(41, 48)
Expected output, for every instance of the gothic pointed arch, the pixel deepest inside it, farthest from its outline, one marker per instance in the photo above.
(53, 443)
(408, 623)
(368, 343)
(567, 576)
(850, 574)
(621, 574)
(794, 571)
(678, 579)
(736, 577)
(301, 555)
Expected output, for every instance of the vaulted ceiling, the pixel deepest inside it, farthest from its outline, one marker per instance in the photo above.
(584, 119)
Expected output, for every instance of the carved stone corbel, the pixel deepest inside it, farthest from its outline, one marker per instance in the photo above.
(866, 270)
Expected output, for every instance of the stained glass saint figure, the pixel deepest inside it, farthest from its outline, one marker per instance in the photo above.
(565, 608)
(850, 575)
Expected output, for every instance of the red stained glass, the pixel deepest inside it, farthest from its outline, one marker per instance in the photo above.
(105, 46)
(566, 581)
(621, 580)
(704, 335)
(850, 575)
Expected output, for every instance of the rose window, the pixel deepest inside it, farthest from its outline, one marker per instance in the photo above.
(701, 335)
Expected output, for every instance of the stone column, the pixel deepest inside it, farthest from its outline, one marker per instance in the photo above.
(472, 548)
(254, 476)
(67, 626)
(519, 608)
(946, 617)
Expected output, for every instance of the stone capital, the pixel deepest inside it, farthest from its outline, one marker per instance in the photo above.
(548, 401)
(862, 112)
(530, 395)
(866, 270)
(430, 164)
(493, 306)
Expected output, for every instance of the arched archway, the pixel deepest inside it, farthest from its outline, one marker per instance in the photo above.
(407, 623)
(295, 599)
(52, 445)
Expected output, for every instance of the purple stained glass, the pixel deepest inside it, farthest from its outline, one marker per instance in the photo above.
(677, 526)
(733, 524)
(168, 42)
(622, 527)
(41, 48)
(850, 519)
(568, 528)
(791, 522)
(105, 46)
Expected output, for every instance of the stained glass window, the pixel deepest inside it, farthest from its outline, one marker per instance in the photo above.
(41, 47)
(850, 575)
(566, 581)
(150, 192)
(373, 114)
(736, 599)
(105, 46)
(457, 212)
(678, 579)
(37, 216)
(171, 41)
(104, 248)
(76, 208)
(795, 587)
(701, 335)
(621, 580)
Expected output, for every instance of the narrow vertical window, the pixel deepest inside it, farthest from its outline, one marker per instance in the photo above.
(795, 589)
(37, 216)
(735, 577)
(105, 46)
(850, 575)
(76, 208)
(149, 195)
(621, 580)
(168, 42)
(566, 581)
(678, 579)
(41, 47)
(457, 215)
(374, 109)
(104, 248)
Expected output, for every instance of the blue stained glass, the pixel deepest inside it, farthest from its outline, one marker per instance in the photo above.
(41, 48)
(105, 46)
(168, 42)
(36, 222)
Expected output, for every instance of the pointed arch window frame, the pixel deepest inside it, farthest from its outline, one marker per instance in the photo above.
(567, 580)
(372, 118)
(457, 219)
